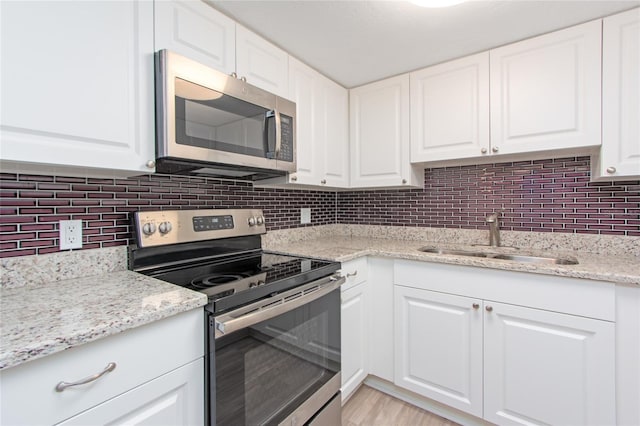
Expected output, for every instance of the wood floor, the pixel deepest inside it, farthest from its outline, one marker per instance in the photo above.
(369, 407)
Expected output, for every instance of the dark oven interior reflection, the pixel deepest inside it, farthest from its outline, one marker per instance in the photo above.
(265, 371)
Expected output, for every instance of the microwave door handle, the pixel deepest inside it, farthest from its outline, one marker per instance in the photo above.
(278, 132)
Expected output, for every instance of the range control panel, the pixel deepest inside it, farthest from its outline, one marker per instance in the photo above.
(154, 228)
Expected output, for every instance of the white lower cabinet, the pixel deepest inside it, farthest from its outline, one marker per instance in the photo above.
(173, 399)
(157, 379)
(507, 363)
(354, 323)
(438, 341)
(547, 368)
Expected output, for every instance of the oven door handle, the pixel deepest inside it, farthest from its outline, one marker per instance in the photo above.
(273, 306)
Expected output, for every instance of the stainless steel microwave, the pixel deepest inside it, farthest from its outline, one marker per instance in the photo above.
(212, 124)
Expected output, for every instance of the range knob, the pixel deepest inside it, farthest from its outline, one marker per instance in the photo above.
(164, 227)
(260, 220)
(260, 282)
(252, 221)
(148, 228)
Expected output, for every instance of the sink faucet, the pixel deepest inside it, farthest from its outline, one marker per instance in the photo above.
(494, 229)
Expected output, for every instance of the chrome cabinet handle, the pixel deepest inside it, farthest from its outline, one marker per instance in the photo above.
(63, 385)
(243, 78)
(483, 150)
(234, 74)
(489, 308)
(323, 181)
(475, 305)
(495, 149)
(404, 181)
(150, 164)
(353, 274)
(611, 170)
(294, 178)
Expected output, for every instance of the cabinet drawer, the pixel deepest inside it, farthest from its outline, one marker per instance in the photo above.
(356, 272)
(140, 354)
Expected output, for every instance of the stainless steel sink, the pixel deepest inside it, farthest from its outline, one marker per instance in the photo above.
(453, 252)
(511, 257)
(535, 259)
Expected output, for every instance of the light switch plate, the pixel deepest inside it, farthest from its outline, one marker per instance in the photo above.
(305, 215)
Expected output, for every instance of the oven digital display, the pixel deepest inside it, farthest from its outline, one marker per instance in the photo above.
(212, 223)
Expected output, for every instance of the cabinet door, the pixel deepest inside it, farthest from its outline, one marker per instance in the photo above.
(77, 90)
(261, 63)
(177, 398)
(450, 110)
(354, 338)
(198, 31)
(438, 341)
(304, 90)
(545, 91)
(547, 368)
(620, 153)
(335, 149)
(379, 135)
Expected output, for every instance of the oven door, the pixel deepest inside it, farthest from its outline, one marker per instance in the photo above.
(278, 360)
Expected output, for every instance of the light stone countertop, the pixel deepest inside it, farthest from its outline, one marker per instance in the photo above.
(616, 269)
(39, 320)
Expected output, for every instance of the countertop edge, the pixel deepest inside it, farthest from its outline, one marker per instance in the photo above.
(30, 351)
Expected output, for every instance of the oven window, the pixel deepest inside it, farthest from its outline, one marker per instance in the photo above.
(209, 119)
(264, 372)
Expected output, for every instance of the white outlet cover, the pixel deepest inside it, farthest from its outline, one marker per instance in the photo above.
(70, 234)
(305, 215)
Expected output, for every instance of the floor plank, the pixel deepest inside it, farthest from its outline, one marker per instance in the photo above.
(369, 407)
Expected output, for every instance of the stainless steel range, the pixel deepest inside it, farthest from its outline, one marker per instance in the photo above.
(273, 321)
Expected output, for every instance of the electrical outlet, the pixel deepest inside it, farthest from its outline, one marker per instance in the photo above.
(305, 215)
(70, 234)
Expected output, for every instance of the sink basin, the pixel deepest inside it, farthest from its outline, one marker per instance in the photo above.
(453, 252)
(511, 257)
(535, 259)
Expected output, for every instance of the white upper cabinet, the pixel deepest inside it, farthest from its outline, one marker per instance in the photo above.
(620, 153)
(261, 63)
(450, 110)
(379, 135)
(546, 91)
(198, 31)
(322, 128)
(334, 154)
(77, 87)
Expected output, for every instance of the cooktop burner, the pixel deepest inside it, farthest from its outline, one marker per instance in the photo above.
(214, 280)
(235, 281)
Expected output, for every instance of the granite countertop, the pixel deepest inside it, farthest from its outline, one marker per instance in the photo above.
(40, 320)
(616, 269)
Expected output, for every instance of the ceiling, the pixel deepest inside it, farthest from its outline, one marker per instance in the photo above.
(355, 41)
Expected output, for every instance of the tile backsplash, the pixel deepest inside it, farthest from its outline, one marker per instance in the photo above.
(31, 206)
(544, 195)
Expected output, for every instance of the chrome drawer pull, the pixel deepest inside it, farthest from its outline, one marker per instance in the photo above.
(353, 274)
(63, 385)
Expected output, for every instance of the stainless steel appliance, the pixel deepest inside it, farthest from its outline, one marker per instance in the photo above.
(273, 321)
(212, 124)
